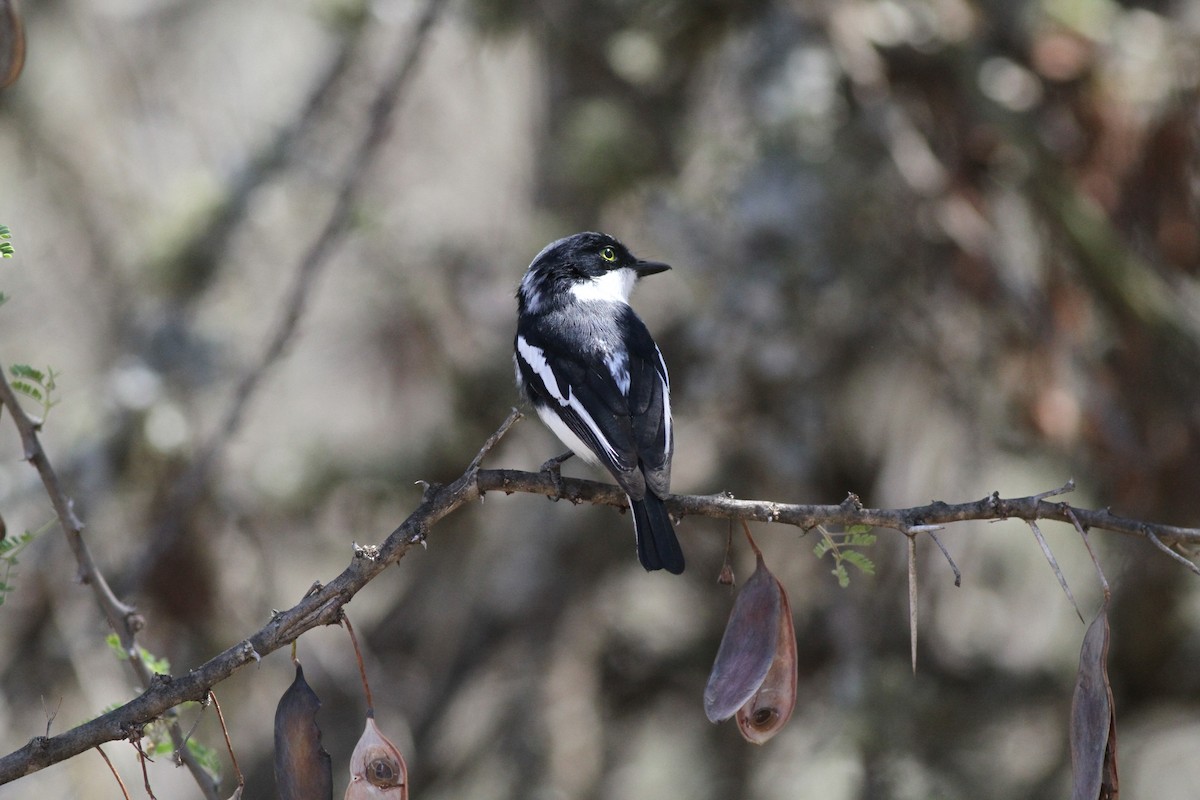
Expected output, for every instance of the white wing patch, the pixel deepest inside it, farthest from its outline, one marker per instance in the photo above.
(618, 367)
(535, 358)
(666, 393)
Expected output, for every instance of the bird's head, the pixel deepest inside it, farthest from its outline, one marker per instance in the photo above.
(585, 267)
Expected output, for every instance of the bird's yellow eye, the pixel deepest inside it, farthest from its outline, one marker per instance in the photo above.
(608, 254)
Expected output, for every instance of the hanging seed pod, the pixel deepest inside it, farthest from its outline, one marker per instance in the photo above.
(377, 770)
(771, 707)
(748, 646)
(12, 43)
(302, 767)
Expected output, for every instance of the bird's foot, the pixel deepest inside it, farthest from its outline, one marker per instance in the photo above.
(553, 468)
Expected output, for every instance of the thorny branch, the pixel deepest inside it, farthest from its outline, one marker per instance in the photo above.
(323, 604)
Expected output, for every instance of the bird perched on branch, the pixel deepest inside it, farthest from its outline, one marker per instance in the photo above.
(591, 370)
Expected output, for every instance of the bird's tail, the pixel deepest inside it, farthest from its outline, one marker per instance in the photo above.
(657, 546)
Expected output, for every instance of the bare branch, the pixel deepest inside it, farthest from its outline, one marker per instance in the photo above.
(123, 618)
(804, 516)
(323, 604)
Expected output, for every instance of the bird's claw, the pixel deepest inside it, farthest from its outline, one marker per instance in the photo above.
(553, 468)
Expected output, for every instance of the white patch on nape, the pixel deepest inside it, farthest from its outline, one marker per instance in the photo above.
(535, 358)
(612, 287)
(618, 367)
(531, 292)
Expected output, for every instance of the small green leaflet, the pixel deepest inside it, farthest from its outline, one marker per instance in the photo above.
(842, 546)
(155, 664)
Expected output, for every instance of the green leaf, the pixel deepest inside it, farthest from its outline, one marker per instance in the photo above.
(860, 539)
(821, 548)
(843, 578)
(114, 643)
(155, 664)
(27, 389)
(26, 371)
(864, 564)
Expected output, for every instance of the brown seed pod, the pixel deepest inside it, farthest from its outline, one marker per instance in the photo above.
(302, 767)
(377, 769)
(765, 714)
(12, 43)
(748, 646)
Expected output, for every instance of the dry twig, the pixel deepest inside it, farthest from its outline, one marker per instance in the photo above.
(323, 604)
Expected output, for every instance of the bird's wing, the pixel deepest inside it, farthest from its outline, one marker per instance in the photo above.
(649, 404)
(585, 394)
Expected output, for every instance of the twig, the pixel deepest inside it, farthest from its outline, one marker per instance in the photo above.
(142, 759)
(1095, 561)
(513, 417)
(237, 770)
(117, 775)
(912, 598)
(946, 553)
(754, 544)
(362, 668)
(51, 716)
(123, 618)
(1157, 542)
(1050, 559)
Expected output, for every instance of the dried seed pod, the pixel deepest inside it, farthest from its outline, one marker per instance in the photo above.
(765, 714)
(748, 646)
(1093, 733)
(302, 767)
(377, 769)
(12, 43)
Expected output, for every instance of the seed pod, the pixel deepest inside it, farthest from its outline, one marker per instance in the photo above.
(771, 707)
(12, 43)
(377, 769)
(747, 647)
(302, 767)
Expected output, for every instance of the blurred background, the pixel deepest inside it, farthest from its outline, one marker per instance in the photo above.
(922, 249)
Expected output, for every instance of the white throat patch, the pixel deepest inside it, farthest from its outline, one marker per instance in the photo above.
(613, 287)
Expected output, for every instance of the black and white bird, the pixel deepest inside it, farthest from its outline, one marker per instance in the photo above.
(591, 370)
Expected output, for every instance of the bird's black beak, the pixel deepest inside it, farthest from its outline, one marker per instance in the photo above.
(644, 268)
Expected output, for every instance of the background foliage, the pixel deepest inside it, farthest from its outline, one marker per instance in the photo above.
(922, 249)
